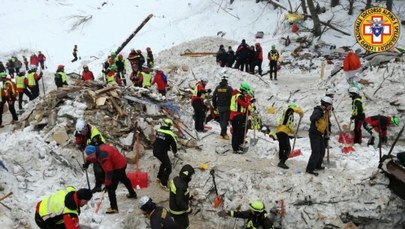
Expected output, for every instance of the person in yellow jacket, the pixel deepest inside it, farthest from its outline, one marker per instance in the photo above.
(62, 208)
(317, 134)
(146, 76)
(284, 129)
(60, 76)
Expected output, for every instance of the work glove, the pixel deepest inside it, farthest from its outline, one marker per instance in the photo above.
(41, 74)
(352, 118)
(209, 91)
(85, 166)
(253, 100)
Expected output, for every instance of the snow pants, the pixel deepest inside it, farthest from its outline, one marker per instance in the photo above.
(318, 152)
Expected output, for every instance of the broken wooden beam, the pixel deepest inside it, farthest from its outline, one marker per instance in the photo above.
(104, 90)
(198, 54)
(120, 112)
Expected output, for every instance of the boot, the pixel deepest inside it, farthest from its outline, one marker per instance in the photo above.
(312, 172)
(282, 165)
(111, 211)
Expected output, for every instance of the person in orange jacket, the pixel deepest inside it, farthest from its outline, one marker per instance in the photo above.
(241, 105)
(114, 165)
(62, 208)
(8, 95)
(87, 75)
(22, 87)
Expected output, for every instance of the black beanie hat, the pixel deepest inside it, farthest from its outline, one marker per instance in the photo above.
(84, 194)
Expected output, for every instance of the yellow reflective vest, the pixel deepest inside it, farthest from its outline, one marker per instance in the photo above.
(54, 205)
(19, 80)
(147, 79)
(31, 79)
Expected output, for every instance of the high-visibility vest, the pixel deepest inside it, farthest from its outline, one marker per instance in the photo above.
(31, 79)
(95, 132)
(110, 78)
(54, 205)
(63, 77)
(169, 132)
(147, 78)
(234, 104)
(173, 189)
(20, 82)
(195, 91)
(354, 111)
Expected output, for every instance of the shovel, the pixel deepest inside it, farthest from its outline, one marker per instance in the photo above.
(297, 152)
(245, 147)
(253, 141)
(219, 198)
(138, 179)
(346, 148)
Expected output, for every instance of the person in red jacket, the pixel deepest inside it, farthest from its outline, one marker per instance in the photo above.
(34, 60)
(160, 80)
(8, 94)
(241, 105)
(258, 59)
(197, 101)
(62, 208)
(377, 126)
(87, 75)
(41, 59)
(114, 165)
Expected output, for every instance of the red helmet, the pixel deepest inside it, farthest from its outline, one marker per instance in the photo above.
(61, 67)
(148, 49)
(139, 51)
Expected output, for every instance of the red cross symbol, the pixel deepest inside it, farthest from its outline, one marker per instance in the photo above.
(368, 32)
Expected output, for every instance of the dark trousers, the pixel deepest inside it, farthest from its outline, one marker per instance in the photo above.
(181, 220)
(98, 174)
(42, 63)
(318, 152)
(11, 108)
(74, 57)
(273, 68)
(49, 223)
(223, 121)
(199, 114)
(358, 123)
(119, 176)
(238, 126)
(165, 167)
(20, 97)
(34, 91)
(257, 63)
(284, 146)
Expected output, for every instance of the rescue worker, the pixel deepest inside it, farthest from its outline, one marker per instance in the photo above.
(242, 55)
(197, 101)
(74, 53)
(358, 114)
(284, 129)
(221, 101)
(87, 134)
(257, 216)
(136, 78)
(221, 56)
(146, 77)
(377, 126)
(114, 165)
(121, 71)
(180, 197)
(317, 133)
(87, 75)
(111, 77)
(8, 94)
(165, 140)
(149, 58)
(34, 60)
(41, 59)
(60, 76)
(62, 208)
(22, 87)
(33, 79)
(133, 58)
(25, 60)
(161, 80)
(159, 216)
(240, 107)
(273, 57)
(258, 60)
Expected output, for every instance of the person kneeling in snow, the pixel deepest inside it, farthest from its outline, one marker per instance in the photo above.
(62, 208)
(377, 126)
(159, 216)
(257, 217)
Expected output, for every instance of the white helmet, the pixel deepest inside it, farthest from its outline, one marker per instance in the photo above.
(143, 200)
(354, 90)
(330, 91)
(204, 79)
(81, 125)
(156, 68)
(327, 99)
(33, 67)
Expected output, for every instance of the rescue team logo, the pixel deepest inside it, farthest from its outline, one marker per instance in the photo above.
(377, 29)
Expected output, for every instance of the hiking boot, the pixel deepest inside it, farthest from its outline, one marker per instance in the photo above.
(320, 168)
(164, 187)
(312, 172)
(132, 196)
(96, 189)
(225, 137)
(111, 211)
(282, 165)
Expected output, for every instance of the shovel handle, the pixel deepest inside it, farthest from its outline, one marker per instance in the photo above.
(296, 132)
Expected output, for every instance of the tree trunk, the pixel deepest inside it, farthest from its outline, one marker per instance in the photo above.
(304, 7)
(368, 4)
(351, 2)
(315, 18)
(334, 3)
(389, 5)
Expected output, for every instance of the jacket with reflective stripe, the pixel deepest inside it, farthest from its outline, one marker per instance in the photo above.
(179, 197)
(358, 107)
(147, 79)
(20, 81)
(286, 120)
(31, 79)
(54, 204)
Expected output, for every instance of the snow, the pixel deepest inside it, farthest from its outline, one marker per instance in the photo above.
(352, 181)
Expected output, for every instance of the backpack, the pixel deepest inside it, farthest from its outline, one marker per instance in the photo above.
(164, 78)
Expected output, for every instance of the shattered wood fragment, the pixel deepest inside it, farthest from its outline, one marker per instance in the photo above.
(104, 90)
(117, 107)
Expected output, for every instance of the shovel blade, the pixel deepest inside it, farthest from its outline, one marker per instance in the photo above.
(347, 149)
(217, 202)
(253, 141)
(295, 153)
(346, 138)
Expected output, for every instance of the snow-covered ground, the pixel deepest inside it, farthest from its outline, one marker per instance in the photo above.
(350, 186)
